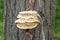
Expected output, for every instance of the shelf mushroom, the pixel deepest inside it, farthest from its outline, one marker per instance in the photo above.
(27, 20)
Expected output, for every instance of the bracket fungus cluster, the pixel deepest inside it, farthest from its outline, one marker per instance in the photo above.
(27, 20)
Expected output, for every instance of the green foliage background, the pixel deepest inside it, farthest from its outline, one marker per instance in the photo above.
(1, 19)
(57, 20)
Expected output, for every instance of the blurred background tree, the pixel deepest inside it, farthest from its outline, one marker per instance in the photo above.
(57, 20)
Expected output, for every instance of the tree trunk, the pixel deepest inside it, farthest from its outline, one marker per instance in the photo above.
(46, 8)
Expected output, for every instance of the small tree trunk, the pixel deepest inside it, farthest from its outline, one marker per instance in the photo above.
(46, 8)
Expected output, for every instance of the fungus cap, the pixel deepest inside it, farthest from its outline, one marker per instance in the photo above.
(27, 20)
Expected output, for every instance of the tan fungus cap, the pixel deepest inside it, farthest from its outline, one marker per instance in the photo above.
(27, 20)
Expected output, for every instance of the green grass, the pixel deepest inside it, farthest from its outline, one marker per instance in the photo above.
(57, 22)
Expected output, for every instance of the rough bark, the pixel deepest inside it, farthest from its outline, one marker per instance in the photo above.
(46, 8)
